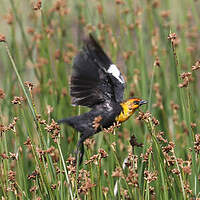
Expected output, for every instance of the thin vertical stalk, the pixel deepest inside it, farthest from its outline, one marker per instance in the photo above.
(65, 170)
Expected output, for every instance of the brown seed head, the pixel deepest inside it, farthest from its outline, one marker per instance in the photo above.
(160, 137)
(117, 172)
(105, 173)
(93, 159)
(165, 14)
(172, 37)
(2, 38)
(132, 178)
(13, 156)
(37, 37)
(33, 189)
(29, 85)
(2, 94)
(102, 153)
(197, 143)
(89, 142)
(49, 109)
(100, 9)
(85, 182)
(146, 155)
(187, 77)
(57, 54)
(41, 61)
(187, 188)
(11, 126)
(4, 156)
(157, 62)
(112, 128)
(174, 106)
(193, 125)
(187, 170)
(37, 5)
(9, 18)
(96, 122)
(156, 3)
(33, 175)
(133, 142)
(2, 129)
(71, 166)
(28, 143)
(53, 129)
(150, 176)
(196, 66)
(49, 31)
(71, 160)
(168, 148)
(155, 121)
(11, 176)
(53, 186)
(119, 2)
(105, 190)
(30, 30)
(186, 74)
(17, 100)
(175, 171)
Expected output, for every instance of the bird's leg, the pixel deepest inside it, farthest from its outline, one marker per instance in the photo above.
(80, 148)
(79, 152)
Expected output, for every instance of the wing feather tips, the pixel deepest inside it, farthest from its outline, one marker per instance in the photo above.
(97, 54)
(85, 79)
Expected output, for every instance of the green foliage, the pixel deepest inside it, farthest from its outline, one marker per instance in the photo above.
(156, 46)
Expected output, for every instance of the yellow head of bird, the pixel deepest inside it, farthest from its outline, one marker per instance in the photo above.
(128, 108)
(135, 103)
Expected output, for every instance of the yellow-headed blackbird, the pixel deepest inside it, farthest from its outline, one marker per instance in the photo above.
(98, 84)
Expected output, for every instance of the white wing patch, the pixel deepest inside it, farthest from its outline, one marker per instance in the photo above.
(116, 73)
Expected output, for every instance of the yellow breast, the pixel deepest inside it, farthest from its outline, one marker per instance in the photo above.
(125, 114)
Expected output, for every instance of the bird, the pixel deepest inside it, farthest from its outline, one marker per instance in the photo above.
(97, 83)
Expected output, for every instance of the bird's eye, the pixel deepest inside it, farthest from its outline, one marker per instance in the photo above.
(136, 102)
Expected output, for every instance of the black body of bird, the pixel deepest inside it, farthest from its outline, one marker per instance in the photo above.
(97, 83)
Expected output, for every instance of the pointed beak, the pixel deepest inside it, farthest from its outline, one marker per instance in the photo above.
(143, 102)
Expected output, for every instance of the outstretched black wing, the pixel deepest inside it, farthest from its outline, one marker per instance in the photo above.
(94, 78)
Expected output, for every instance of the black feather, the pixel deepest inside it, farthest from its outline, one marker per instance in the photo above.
(96, 53)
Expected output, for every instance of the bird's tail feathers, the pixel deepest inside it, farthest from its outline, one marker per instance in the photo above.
(66, 121)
